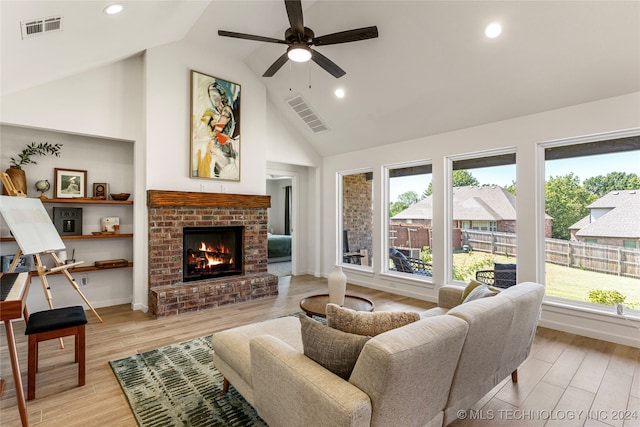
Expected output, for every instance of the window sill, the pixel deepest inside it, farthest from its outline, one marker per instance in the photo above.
(630, 315)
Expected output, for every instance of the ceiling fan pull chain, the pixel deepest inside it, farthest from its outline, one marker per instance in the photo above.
(290, 85)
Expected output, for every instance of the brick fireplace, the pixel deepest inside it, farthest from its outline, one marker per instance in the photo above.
(168, 213)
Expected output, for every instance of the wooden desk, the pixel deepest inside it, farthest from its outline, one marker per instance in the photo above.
(316, 305)
(14, 297)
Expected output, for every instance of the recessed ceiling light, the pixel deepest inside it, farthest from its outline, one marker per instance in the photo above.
(113, 9)
(339, 93)
(493, 30)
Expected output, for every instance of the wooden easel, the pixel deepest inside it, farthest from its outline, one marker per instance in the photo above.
(60, 267)
(36, 235)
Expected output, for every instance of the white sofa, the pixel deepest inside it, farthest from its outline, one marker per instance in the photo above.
(420, 374)
(501, 331)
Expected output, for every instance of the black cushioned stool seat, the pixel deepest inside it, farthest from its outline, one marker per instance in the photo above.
(51, 324)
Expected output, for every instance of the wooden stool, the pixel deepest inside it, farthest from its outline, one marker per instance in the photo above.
(51, 324)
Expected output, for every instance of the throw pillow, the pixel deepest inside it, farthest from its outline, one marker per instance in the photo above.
(365, 322)
(481, 291)
(470, 287)
(335, 350)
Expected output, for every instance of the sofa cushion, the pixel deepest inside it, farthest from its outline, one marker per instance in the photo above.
(335, 350)
(481, 291)
(365, 322)
(232, 345)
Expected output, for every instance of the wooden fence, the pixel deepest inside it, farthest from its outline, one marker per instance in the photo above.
(587, 256)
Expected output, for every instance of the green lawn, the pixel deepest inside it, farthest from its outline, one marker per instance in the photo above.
(563, 282)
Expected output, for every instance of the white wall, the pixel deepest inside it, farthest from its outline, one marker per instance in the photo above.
(145, 101)
(87, 113)
(105, 102)
(285, 144)
(168, 111)
(521, 134)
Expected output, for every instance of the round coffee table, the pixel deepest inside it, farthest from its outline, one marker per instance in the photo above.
(316, 305)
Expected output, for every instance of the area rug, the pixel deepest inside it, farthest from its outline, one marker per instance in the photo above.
(178, 385)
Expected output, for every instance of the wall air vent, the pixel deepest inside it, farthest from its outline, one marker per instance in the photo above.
(36, 27)
(306, 113)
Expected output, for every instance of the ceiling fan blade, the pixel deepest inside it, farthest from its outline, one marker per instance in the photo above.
(328, 65)
(276, 65)
(347, 36)
(294, 12)
(249, 37)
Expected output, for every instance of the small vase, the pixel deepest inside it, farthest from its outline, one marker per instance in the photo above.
(337, 285)
(18, 178)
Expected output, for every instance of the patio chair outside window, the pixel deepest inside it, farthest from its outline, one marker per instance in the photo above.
(502, 275)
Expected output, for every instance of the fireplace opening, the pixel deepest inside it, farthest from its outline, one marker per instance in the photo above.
(210, 252)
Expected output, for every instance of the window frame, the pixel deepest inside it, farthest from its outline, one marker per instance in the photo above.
(339, 253)
(386, 202)
(505, 152)
(540, 209)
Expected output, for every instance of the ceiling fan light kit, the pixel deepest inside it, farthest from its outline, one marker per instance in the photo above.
(299, 52)
(299, 40)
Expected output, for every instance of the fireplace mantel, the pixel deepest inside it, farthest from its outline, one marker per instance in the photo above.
(163, 198)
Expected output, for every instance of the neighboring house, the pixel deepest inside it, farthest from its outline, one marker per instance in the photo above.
(612, 220)
(486, 208)
(490, 208)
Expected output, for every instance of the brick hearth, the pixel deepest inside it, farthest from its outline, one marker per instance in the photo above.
(169, 212)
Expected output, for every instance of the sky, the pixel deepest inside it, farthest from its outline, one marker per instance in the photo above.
(582, 167)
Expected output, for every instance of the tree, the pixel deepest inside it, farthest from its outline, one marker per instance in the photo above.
(463, 178)
(511, 188)
(405, 200)
(459, 178)
(566, 202)
(602, 184)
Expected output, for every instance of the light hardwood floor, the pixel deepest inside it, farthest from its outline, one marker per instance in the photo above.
(565, 373)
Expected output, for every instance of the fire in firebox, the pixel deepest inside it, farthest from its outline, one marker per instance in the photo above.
(207, 258)
(211, 252)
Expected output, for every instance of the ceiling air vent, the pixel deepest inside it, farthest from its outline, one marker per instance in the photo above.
(36, 27)
(310, 117)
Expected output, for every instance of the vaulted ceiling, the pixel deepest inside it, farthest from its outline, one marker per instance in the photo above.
(431, 70)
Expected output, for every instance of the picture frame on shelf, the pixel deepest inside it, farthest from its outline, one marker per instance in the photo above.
(68, 221)
(100, 190)
(215, 128)
(70, 183)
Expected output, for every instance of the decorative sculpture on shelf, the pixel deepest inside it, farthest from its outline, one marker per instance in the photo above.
(42, 186)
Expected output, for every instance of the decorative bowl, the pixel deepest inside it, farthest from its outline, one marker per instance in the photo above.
(120, 196)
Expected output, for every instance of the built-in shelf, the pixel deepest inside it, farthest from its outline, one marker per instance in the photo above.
(84, 270)
(84, 237)
(89, 201)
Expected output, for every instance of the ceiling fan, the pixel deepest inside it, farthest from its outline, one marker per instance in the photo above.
(299, 40)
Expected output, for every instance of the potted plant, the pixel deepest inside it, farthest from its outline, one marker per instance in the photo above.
(608, 297)
(15, 171)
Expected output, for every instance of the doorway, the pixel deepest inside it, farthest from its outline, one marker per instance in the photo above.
(280, 223)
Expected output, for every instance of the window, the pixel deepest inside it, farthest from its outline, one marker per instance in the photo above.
(592, 195)
(626, 243)
(357, 218)
(483, 213)
(409, 219)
